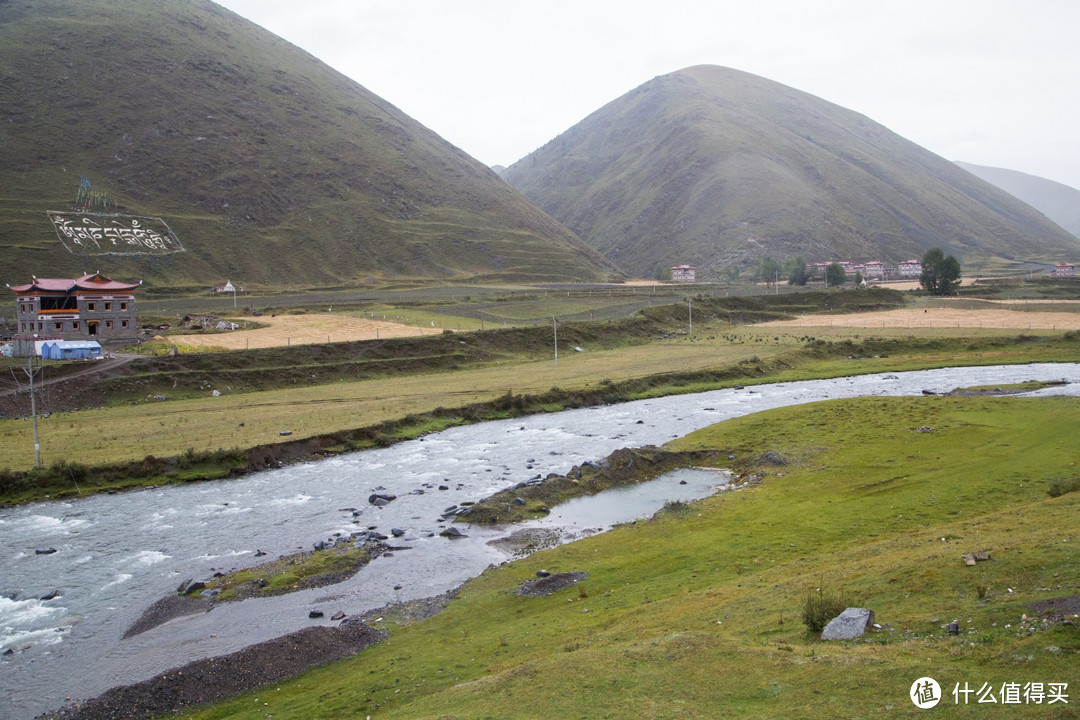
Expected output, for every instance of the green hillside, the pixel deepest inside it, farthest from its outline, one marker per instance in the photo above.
(269, 167)
(714, 167)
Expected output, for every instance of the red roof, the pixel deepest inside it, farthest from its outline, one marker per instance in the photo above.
(95, 282)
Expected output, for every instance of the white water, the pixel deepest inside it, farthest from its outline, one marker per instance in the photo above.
(115, 555)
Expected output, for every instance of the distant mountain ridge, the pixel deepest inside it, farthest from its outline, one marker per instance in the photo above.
(715, 167)
(1059, 202)
(271, 168)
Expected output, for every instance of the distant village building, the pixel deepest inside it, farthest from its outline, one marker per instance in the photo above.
(910, 269)
(682, 273)
(1064, 269)
(91, 307)
(873, 270)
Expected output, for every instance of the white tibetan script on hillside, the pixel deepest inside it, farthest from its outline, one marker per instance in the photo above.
(114, 234)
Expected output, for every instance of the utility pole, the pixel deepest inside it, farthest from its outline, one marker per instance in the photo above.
(555, 325)
(33, 408)
(690, 311)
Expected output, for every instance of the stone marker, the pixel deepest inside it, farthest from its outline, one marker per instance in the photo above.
(850, 624)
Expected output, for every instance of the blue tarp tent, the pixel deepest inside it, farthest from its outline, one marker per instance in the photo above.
(71, 350)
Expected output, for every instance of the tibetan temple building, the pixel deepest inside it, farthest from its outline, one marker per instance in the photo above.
(91, 307)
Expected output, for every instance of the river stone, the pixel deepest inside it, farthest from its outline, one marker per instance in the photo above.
(453, 532)
(850, 624)
(552, 583)
(191, 586)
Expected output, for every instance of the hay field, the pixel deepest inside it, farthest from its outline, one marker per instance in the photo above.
(939, 318)
(303, 330)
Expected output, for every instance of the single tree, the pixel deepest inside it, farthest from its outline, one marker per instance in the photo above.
(835, 275)
(798, 274)
(731, 273)
(768, 270)
(940, 272)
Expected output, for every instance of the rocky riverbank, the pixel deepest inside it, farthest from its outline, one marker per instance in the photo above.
(214, 679)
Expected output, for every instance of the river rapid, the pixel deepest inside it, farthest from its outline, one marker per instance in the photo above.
(117, 554)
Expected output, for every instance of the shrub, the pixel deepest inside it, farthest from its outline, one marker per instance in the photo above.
(676, 508)
(820, 607)
(1059, 486)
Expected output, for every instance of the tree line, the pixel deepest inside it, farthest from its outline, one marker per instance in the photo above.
(940, 272)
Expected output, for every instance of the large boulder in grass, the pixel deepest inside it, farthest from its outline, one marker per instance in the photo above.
(848, 625)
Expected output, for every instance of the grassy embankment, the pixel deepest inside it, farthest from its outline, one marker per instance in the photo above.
(488, 374)
(697, 612)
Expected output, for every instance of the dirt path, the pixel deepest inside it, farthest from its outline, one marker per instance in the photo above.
(303, 330)
(939, 318)
(92, 367)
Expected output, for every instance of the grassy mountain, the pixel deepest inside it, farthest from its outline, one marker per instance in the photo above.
(270, 167)
(713, 166)
(1058, 202)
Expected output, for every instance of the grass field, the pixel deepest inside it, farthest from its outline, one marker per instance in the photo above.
(697, 614)
(245, 420)
(241, 420)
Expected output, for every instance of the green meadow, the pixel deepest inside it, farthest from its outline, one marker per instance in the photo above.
(697, 613)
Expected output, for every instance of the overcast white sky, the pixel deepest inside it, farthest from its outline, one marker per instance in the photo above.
(992, 82)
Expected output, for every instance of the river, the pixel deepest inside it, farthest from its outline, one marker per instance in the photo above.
(117, 554)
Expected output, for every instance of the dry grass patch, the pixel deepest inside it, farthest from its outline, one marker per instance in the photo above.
(938, 318)
(308, 329)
